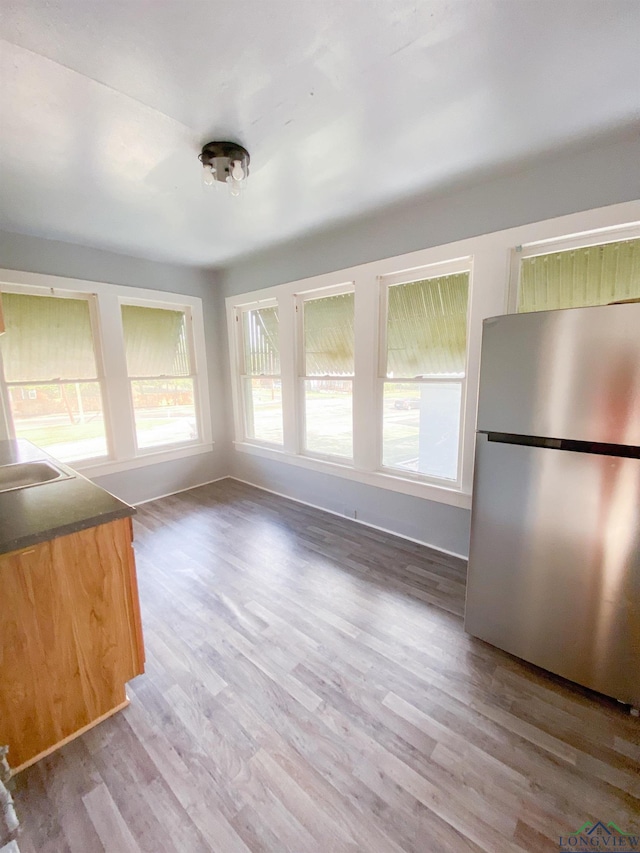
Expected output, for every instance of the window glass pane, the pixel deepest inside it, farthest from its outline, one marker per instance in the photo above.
(329, 416)
(328, 335)
(47, 338)
(427, 327)
(263, 408)
(421, 427)
(593, 275)
(260, 335)
(65, 419)
(155, 341)
(164, 411)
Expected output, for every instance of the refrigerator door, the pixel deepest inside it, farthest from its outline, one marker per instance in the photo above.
(571, 374)
(554, 564)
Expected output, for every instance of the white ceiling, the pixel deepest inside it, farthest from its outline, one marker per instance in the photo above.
(344, 105)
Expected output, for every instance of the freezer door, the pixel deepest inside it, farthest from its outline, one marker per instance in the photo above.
(554, 564)
(563, 374)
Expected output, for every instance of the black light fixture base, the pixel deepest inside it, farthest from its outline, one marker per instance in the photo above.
(221, 156)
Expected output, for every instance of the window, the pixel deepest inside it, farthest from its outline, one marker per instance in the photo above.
(52, 375)
(371, 373)
(261, 381)
(423, 373)
(103, 376)
(162, 383)
(582, 276)
(327, 373)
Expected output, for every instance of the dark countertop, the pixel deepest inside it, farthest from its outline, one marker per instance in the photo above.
(46, 511)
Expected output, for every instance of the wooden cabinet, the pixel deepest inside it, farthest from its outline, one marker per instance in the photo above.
(70, 637)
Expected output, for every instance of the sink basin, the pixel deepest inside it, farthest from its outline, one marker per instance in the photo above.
(22, 475)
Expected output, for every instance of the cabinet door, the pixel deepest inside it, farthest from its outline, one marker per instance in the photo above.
(70, 636)
(28, 633)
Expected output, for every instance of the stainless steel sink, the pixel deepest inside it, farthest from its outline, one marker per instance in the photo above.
(22, 475)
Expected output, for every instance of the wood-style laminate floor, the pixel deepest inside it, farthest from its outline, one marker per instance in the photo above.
(310, 687)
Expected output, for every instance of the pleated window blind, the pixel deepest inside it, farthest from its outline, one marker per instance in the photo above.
(329, 335)
(155, 341)
(592, 275)
(50, 367)
(160, 375)
(261, 342)
(261, 382)
(427, 327)
(328, 369)
(72, 350)
(47, 338)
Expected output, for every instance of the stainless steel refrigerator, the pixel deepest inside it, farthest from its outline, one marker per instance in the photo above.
(554, 564)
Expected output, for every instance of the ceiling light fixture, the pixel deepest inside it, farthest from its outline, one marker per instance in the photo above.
(226, 163)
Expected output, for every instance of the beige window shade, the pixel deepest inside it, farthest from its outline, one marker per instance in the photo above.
(427, 327)
(155, 341)
(260, 333)
(329, 336)
(593, 275)
(47, 338)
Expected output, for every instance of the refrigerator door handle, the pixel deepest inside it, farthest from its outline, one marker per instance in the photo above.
(597, 447)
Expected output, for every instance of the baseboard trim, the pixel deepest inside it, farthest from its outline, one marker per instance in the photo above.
(179, 491)
(348, 517)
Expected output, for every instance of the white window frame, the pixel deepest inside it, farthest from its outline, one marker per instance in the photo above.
(300, 299)
(193, 375)
(489, 296)
(105, 302)
(98, 350)
(596, 237)
(431, 271)
(239, 361)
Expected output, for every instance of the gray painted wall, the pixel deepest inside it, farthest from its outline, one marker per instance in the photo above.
(575, 180)
(603, 174)
(427, 521)
(565, 183)
(32, 254)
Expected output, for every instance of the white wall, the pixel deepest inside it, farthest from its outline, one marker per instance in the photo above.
(32, 254)
(575, 180)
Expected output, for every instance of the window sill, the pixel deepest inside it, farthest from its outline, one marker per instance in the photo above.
(115, 466)
(382, 480)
